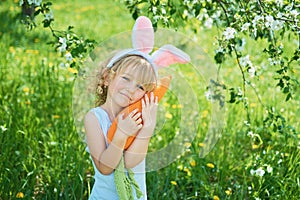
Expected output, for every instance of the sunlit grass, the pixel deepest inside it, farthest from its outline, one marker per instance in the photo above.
(43, 157)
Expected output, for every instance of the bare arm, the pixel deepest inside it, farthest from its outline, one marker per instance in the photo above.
(107, 159)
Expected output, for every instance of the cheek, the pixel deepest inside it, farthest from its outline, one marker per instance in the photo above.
(138, 95)
(115, 85)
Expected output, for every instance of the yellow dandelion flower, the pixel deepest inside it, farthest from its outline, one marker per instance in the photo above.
(286, 154)
(255, 146)
(26, 89)
(252, 105)
(179, 106)
(11, 8)
(210, 165)
(12, 50)
(187, 144)
(168, 115)
(72, 70)
(201, 144)
(188, 172)
(228, 192)
(166, 104)
(216, 197)
(20, 195)
(56, 116)
(174, 106)
(193, 163)
(204, 114)
(173, 182)
(32, 51)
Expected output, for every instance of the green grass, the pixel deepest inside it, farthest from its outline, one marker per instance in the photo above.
(42, 154)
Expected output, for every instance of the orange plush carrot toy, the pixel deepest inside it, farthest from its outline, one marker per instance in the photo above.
(159, 91)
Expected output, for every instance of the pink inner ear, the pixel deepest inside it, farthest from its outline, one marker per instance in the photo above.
(143, 35)
(168, 55)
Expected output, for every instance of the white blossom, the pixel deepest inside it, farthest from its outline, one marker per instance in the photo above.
(269, 20)
(276, 25)
(3, 128)
(269, 169)
(257, 19)
(294, 13)
(208, 95)
(250, 134)
(279, 2)
(229, 33)
(63, 46)
(260, 172)
(163, 11)
(69, 56)
(156, 18)
(216, 14)
(21, 2)
(240, 47)
(208, 23)
(154, 10)
(49, 15)
(245, 26)
(62, 40)
(252, 71)
(219, 50)
(245, 61)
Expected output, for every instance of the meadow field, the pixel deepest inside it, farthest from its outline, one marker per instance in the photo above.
(42, 153)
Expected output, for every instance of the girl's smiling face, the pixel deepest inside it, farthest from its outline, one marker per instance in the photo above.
(125, 89)
(131, 78)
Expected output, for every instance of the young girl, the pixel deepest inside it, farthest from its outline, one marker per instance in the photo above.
(123, 80)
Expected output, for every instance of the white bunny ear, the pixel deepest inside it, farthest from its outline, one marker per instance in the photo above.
(167, 55)
(143, 35)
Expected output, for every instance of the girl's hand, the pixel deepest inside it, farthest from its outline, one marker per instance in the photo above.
(131, 123)
(149, 111)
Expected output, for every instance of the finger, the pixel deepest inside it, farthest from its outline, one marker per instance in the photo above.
(143, 103)
(156, 100)
(136, 116)
(151, 97)
(146, 99)
(140, 126)
(138, 121)
(132, 113)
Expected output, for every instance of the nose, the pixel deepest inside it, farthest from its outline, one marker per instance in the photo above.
(131, 87)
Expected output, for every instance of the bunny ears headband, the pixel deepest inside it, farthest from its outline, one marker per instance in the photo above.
(143, 42)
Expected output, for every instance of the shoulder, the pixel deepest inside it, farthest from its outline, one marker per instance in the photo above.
(90, 119)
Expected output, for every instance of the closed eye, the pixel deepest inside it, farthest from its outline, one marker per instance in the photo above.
(125, 78)
(141, 87)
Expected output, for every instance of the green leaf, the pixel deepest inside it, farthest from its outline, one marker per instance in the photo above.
(219, 57)
(288, 97)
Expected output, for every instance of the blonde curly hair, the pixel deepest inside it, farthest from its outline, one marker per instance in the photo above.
(136, 63)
